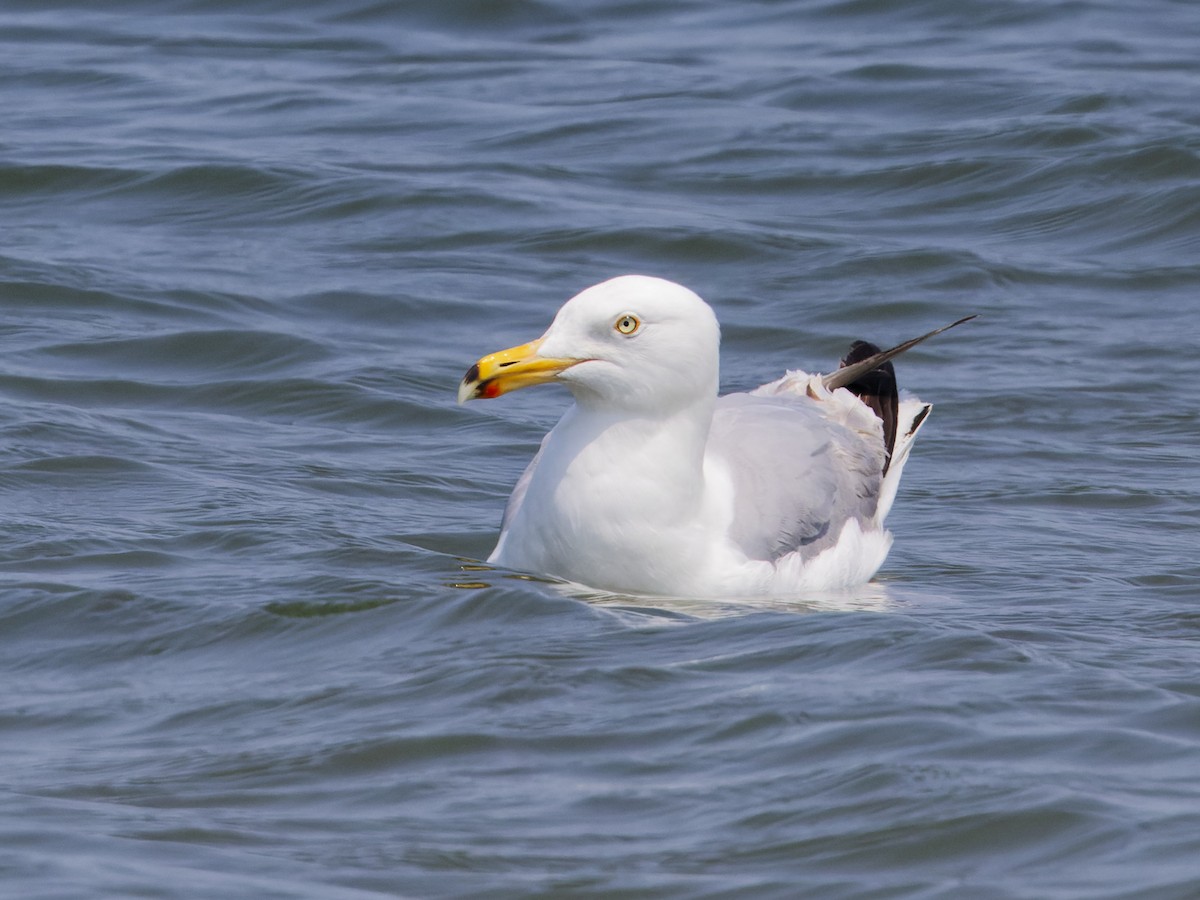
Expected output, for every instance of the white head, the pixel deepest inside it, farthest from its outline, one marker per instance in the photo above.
(632, 343)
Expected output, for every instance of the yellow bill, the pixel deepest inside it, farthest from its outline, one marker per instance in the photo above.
(509, 370)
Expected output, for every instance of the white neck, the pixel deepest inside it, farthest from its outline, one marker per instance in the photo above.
(651, 452)
(610, 486)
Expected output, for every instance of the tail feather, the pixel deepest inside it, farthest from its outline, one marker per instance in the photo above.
(913, 414)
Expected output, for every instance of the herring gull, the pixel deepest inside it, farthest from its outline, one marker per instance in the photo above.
(652, 484)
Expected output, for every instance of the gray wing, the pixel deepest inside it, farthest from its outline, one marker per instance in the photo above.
(798, 476)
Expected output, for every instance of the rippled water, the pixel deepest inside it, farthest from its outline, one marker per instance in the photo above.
(246, 252)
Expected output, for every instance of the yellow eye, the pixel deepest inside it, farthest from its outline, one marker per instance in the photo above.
(627, 324)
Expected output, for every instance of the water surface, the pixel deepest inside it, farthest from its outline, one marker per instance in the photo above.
(246, 253)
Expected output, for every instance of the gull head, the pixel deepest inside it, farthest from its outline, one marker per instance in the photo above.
(633, 343)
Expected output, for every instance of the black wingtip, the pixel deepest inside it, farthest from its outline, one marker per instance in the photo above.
(857, 373)
(879, 391)
(850, 372)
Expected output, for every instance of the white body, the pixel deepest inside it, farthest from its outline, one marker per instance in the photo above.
(652, 484)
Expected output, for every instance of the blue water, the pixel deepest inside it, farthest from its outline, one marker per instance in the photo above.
(248, 250)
